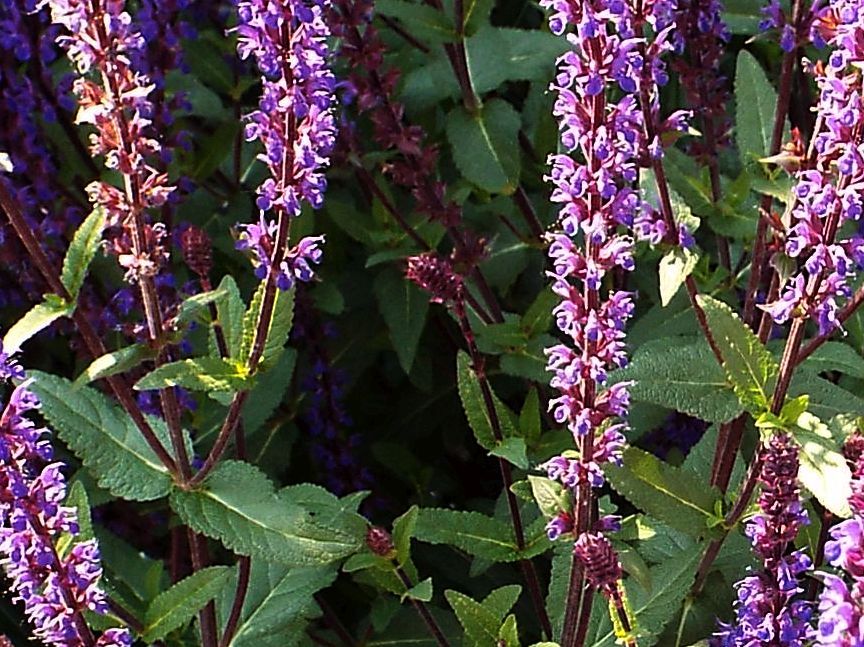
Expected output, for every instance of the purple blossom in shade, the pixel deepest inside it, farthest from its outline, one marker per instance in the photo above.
(679, 432)
(55, 589)
(295, 124)
(829, 194)
(767, 611)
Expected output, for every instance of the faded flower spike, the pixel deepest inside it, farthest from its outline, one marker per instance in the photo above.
(56, 588)
(294, 122)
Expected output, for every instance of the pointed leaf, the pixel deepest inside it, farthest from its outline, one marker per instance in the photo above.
(404, 307)
(173, 608)
(403, 529)
(81, 251)
(675, 266)
(198, 374)
(756, 102)
(118, 361)
(277, 332)
(35, 320)
(823, 470)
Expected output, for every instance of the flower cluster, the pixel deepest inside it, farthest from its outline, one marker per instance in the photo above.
(100, 37)
(372, 86)
(829, 193)
(55, 588)
(294, 122)
(767, 611)
(841, 605)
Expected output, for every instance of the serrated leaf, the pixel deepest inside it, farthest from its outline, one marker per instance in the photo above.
(404, 307)
(478, 534)
(229, 310)
(479, 420)
(481, 621)
(104, 438)
(485, 145)
(756, 102)
(118, 361)
(748, 365)
(403, 528)
(681, 374)
(827, 399)
(197, 374)
(823, 470)
(279, 600)
(268, 391)
(81, 251)
(237, 505)
(173, 608)
(676, 497)
(559, 582)
(193, 308)
(422, 20)
(675, 266)
(530, 424)
(35, 320)
(276, 333)
(836, 356)
(508, 634)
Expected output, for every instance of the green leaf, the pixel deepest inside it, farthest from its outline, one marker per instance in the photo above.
(481, 621)
(550, 495)
(278, 604)
(198, 374)
(81, 251)
(238, 506)
(77, 498)
(675, 266)
(423, 21)
(756, 102)
(823, 470)
(510, 446)
(742, 17)
(118, 361)
(827, 400)
(193, 308)
(485, 145)
(229, 310)
(404, 307)
(173, 608)
(676, 497)
(508, 635)
(478, 534)
(530, 424)
(748, 365)
(681, 374)
(277, 332)
(268, 391)
(836, 356)
(421, 591)
(559, 582)
(476, 14)
(104, 438)
(403, 528)
(35, 320)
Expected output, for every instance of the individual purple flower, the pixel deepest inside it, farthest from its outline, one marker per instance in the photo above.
(55, 588)
(767, 611)
(294, 122)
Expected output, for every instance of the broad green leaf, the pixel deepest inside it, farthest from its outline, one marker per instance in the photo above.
(476, 15)
(836, 356)
(743, 17)
(422, 20)
(404, 307)
(268, 391)
(482, 621)
(104, 438)
(485, 145)
(559, 582)
(823, 470)
(173, 608)
(675, 266)
(478, 534)
(510, 446)
(278, 604)
(238, 506)
(81, 251)
(550, 495)
(35, 320)
(756, 102)
(681, 374)
(276, 333)
(193, 308)
(827, 399)
(198, 374)
(530, 424)
(118, 361)
(403, 529)
(748, 365)
(229, 309)
(674, 496)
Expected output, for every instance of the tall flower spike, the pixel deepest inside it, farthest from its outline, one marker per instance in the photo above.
(294, 122)
(55, 588)
(767, 611)
(829, 194)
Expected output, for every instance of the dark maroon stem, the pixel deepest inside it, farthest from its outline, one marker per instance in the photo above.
(334, 622)
(244, 567)
(420, 607)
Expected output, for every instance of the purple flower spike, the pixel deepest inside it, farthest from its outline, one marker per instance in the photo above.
(288, 39)
(55, 589)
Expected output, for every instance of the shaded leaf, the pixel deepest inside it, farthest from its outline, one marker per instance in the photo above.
(118, 361)
(404, 307)
(81, 251)
(173, 608)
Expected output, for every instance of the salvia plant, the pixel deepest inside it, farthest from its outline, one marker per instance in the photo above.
(457, 322)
